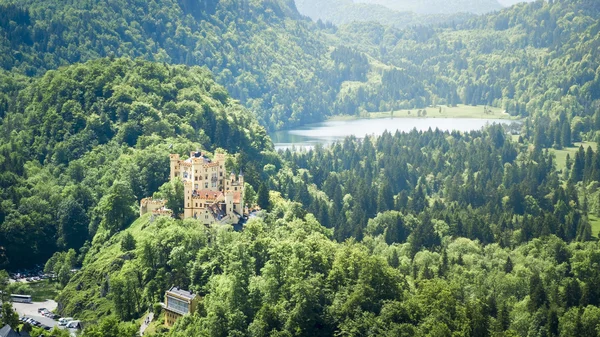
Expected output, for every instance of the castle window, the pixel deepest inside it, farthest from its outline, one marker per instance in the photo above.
(221, 174)
(196, 204)
(236, 188)
(205, 185)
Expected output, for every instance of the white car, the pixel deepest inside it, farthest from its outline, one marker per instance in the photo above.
(64, 321)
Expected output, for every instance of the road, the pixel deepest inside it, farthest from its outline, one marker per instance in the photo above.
(144, 325)
(31, 310)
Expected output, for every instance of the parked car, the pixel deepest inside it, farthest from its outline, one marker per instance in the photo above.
(64, 321)
(41, 310)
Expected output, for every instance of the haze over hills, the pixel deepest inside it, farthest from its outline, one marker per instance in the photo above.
(508, 3)
(346, 11)
(438, 6)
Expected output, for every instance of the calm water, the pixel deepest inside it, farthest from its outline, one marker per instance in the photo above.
(328, 132)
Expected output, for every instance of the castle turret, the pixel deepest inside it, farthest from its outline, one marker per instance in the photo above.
(241, 182)
(175, 166)
(229, 203)
(188, 202)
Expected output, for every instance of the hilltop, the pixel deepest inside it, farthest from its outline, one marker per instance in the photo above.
(340, 12)
(78, 137)
(290, 71)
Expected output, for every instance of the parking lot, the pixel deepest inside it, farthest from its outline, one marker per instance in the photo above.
(30, 310)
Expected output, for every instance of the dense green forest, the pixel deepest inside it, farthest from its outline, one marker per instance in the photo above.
(426, 233)
(79, 135)
(262, 51)
(529, 59)
(534, 59)
(439, 6)
(341, 12)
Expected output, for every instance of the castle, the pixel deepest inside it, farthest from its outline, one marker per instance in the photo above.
(210, 195)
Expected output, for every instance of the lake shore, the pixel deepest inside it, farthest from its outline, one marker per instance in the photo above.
(438, 112)
(336, 130)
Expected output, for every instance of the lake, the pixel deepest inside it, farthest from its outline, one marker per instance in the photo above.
(330, 131)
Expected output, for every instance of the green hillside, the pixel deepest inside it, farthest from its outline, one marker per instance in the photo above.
(71, 134)
(528, 59)
(438, 6)
(341, 12)
(262, 51)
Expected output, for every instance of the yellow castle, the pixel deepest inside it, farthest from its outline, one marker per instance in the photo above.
(210, 195)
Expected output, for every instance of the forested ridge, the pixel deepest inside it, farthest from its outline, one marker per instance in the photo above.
(262, 51)
(439, 6)
(340, 12)
(81, 134)
(530, 59)
(426, 233)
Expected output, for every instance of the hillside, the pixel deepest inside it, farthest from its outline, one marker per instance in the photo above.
(486, 233)
(459, 256)
(341, 12)
(531, 60)
(290, 71)
(438, 6)
(86, 131)
(262, 51)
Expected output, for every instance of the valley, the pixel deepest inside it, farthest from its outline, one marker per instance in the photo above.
(442, 178)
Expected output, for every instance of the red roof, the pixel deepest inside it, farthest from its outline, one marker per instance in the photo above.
(208, 194)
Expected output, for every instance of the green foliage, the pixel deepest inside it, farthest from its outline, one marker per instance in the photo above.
(490, 60)
(117, 207)
(262, 198)
(285, 275)
(236, 41)
(66, 171)
(61, 264)
(111, 327)
(128, 242)
(8, 315)
(172, 191)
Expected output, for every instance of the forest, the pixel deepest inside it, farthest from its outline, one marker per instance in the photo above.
(530, 59)
(424, 233)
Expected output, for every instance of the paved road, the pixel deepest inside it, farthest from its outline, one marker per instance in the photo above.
(31, 310)
(144, 325)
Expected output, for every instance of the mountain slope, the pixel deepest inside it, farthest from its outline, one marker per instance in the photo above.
(262, 51)
(90, 130)
(439, 6)
(530, 59)
(341, 12)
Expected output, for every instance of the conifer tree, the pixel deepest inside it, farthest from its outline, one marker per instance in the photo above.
(263, 197)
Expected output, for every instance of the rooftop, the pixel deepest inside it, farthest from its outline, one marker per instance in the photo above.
(7, 331)
(182, 293)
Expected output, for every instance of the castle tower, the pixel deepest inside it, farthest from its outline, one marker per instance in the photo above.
(229, 202)
(175, 166)
(187, 202)
(241, 182)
